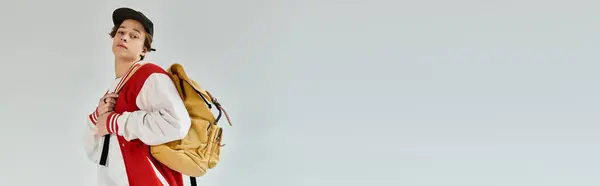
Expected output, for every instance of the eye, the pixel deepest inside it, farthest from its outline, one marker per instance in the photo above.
(134, 36)
(121, 32)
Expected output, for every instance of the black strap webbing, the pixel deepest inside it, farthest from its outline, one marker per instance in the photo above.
(193, 181)
(105, 148)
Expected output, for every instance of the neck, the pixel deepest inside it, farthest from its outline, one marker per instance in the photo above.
(121, 67)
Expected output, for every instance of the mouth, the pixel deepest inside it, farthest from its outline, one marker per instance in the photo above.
(122, 46)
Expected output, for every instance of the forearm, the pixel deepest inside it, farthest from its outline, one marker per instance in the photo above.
(152, 128)
(162, 116)
(91, 141)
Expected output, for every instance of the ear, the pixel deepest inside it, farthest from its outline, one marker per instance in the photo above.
(144, 52)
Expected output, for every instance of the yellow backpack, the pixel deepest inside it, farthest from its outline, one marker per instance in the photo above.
(200, 149)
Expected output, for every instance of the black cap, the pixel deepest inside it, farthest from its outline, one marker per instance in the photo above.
(122, 14)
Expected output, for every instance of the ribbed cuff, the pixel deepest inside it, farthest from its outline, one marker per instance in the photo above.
(94, 116)
(112, 123)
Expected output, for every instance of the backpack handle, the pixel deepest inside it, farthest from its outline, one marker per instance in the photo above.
(218, 105)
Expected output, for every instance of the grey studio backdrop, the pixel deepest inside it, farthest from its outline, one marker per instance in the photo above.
(323, 93)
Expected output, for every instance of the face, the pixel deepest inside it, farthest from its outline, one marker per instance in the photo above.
(128, 43)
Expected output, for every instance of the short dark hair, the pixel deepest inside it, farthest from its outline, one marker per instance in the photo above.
(147, 40)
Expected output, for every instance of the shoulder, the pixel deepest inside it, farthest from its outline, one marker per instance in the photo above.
(149, 75)
(153, 84)
(149, 68)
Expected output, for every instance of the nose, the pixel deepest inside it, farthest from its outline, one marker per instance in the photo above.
(123, 39)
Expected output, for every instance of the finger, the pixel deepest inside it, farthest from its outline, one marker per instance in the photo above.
(111, 101)
(103, 101)
(111, 95)
(108, 108)
(109, 105)
(105, 108)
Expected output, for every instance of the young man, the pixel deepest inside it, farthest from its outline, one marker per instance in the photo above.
(146, 111)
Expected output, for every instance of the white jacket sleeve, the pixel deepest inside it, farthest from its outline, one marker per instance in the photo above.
(162, 116)
(91, 141)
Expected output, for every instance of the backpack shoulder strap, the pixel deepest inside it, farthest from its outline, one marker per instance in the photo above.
(178, 71)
